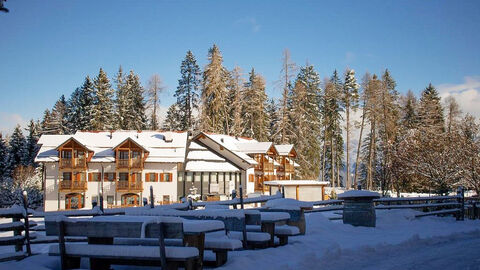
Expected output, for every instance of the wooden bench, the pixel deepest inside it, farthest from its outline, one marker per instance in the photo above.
(278, 229)
(103, 252)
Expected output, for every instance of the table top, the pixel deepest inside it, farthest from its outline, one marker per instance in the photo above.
(274, 216)
(189, 226)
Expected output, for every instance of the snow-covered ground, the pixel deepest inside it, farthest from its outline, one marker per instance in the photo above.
(399, 241)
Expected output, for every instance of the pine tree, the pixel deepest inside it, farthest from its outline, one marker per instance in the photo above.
(305, 114)
(236, 91)
(122, 101)
(18, 148)
(47, 123)
(255, 119)
(350, 99)
(410, 117)
(74, 113)
(5, 166)
(103, 107)
(136, 117)
(430, 110)
(173, 120)
(155, 88)
(31, 143)
(284, 124)
(87, 105)
(214, 94)
(273, 117)
(187, 91)
(57, 123)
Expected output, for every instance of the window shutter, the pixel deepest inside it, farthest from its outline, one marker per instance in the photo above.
(90, 177)
(170, 178)
(250, 178)
(161, 177)
(156, 177)
(147, 177)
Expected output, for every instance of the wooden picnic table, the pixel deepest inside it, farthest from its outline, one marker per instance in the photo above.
(268, 220)
(193, 230)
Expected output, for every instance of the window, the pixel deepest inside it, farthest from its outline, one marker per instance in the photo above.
(166, 177)
(123, 155)
(123, 176)
(136, 154)
(166, 198)
(66, 154)
(109, 199)
(151, 177)
(67, 176)
(94, 177)
(73, 201)
(109, 176)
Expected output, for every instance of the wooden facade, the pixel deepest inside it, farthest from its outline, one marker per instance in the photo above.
(73, 158)
(129, 162)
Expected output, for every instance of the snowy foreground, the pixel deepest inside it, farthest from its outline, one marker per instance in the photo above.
(398, 242)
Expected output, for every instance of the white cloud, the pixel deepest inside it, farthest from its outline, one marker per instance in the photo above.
(8, 121)
(252, 22)
(467, 94)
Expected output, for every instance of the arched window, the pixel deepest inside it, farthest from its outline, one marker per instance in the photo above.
(74, 201)
(130, 199)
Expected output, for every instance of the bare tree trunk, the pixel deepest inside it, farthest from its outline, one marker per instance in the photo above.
(332, 161)
(371, 155)
(324, 159)
(348, 184)
(357, 160)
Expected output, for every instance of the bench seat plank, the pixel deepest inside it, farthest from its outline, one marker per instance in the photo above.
(258, 237)
(125, 252)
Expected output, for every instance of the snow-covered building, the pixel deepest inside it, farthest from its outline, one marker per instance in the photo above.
(123, 165)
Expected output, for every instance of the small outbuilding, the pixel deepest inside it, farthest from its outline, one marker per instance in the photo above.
(303, 190)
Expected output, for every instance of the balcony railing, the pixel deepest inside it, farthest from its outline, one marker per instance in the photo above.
(289, 167)
(67, 163)
(69, 185)
(129, 163)
(129, 185)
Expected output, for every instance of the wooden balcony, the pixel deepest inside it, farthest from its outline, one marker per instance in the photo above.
(129, 186)
(73, 163)
(72, 186)
(129, 163)
(289, 168)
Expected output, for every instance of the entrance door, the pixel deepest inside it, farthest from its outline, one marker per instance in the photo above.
(73, 201)
(130, 199)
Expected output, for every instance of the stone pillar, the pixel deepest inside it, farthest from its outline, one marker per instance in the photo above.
(359, 209)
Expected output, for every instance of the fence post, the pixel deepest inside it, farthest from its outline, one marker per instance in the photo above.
(241, 196)
(27, 225)
(234, 195)
(151, 197)
(461, 200)
(283, 191)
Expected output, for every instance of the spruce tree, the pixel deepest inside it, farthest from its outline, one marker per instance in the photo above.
(121, 101)
(255, 118)
(214, 94)
(31, 143)
(58, 119)
(410, 117)
(430, 111)
(350, 99)
(135, 109)
(273, 118)
(173, 120)
(305, 114)
(237, 102)
(5, 167)
(18, 148)
(47, 123)
(187, 92)
(103, 107)
(74, 112)
(87, 105)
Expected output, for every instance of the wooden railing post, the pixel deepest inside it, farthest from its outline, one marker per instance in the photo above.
(27, 225)
(461, 201)
(151, 197)
(241, 196)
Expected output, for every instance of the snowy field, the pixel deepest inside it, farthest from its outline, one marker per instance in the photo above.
(398, 242)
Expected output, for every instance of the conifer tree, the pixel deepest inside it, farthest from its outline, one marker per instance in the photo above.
(236, 91)
(214, 94)
(5, 167)
(410, 117)
(47, 123)
(103, 107)
(306, 120)
(136, 117)
(430, 111)
(74, 113)
(87, 105)
(365, 96)
(18, 148)
(255, 118)
(173, 120)
(350, 99)
(58, 117)
(155, 88)
(187, 92)
(31, 143)
(273, 117)
(121, 101)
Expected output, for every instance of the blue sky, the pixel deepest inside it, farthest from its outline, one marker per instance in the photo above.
(48, 47)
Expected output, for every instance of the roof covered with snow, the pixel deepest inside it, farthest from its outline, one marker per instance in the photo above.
(284, 149)
(296, 183)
